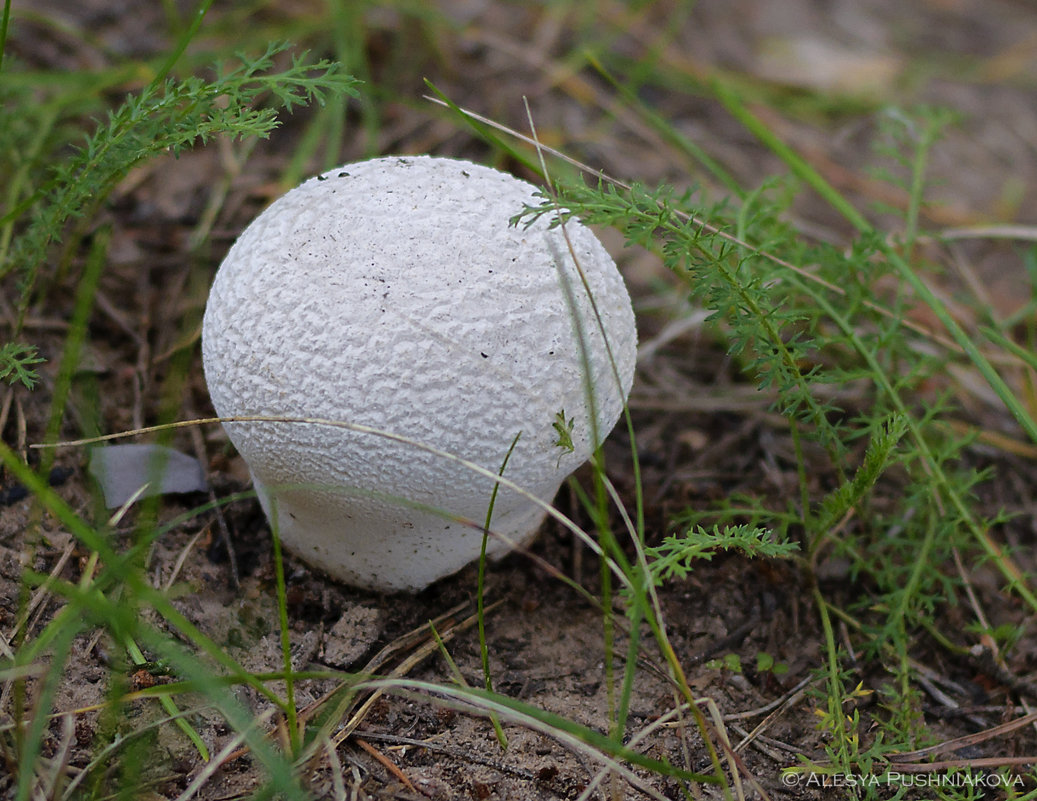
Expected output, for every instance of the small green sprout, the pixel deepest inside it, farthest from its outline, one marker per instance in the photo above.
(729, 662)
(765, 663)
(565, 434)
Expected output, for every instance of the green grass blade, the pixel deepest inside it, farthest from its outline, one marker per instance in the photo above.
(170, 706)
(121, 569)
(285, 629)
(831, 195)
(484, 651)
(86, 291)
(30, 740)
(800, 168)
(584, 739)
(5, 21)
(182, 43)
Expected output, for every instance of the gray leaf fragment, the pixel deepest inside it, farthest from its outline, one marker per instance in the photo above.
(122, 470)
(352, 636)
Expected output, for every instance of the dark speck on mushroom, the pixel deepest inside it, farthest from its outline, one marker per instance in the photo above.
(322, 177)
(343, 175)
(484, 355)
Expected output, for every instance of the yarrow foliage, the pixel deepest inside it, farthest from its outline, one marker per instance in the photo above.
(244, 99)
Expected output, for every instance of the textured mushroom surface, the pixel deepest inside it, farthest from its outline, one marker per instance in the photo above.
(395, 293)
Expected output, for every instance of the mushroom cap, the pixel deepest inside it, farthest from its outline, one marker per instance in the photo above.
(394, 293)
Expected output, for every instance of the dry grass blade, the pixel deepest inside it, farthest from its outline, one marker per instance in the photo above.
(426, 649)
(230, 751)
(178, 565)
(41, 595)
(668, 719)
(386, 763)
(1020, 232)
(50, 783)
(477, 703)
(793, 696)
(338, 783)
(976, 763)
(635, 740)
(410, 640)
(969, 740)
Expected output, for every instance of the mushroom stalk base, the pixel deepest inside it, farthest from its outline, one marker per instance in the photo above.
(389, 548)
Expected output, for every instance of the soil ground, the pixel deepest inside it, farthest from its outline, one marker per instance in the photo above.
(703, 433)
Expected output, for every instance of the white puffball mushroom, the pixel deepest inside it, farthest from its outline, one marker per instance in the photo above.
(394, 293)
